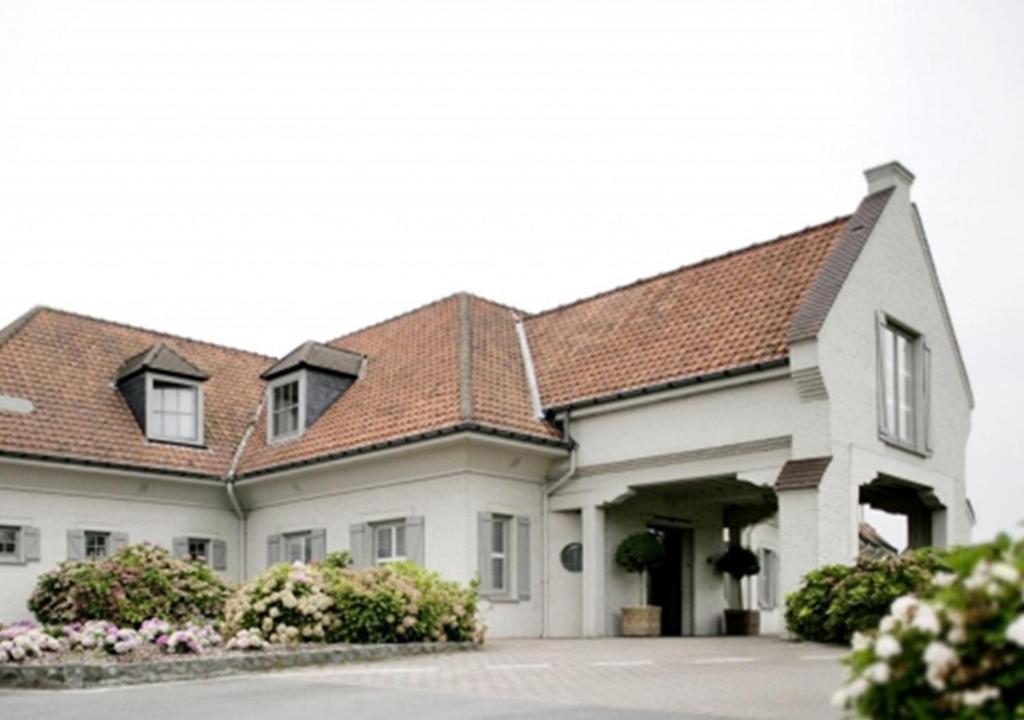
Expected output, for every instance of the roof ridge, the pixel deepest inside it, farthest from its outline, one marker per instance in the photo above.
(138, 328)
(465, 357)
(7, 332)
(690, 266)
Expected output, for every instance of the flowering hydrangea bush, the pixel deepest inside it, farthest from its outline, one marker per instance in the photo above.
(835, 601)
(190, 639)
(152, 629)
(955, 651)
(102, 635)
(137, 583)
(288, 604)
(247, 640)
(25, 640)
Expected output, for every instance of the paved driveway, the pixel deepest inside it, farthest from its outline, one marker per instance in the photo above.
(694, 678)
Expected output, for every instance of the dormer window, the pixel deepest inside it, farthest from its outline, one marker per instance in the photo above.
(164, 391)
(304, 384)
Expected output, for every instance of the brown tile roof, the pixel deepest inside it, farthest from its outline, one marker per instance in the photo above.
(449, 366)
(728, 312)
(65, 364)
(802, 474)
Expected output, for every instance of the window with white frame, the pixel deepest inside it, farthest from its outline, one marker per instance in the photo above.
(500, 531)
(904, 361)
(286, 407)
(174, 410)
(9, 537)
(199, 549)
(298, 547)
(389, 542)
(97, 544)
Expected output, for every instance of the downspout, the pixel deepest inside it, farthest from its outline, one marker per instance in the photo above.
(546, 527)
(229, 486)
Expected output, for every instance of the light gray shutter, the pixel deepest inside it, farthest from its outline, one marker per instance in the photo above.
(118, 541)
(179, 548)
(926, 396)
(218, 554)
(485, 524)
(317, 545)
(414, 549)
(880, 372)
(273, 549)
(30, 543)
(359, 545)
(523, 557)
(76, 544)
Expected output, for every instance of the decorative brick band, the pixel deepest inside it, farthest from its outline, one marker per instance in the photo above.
(79, 675)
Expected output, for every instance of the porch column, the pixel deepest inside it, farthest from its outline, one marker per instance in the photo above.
(593, 571)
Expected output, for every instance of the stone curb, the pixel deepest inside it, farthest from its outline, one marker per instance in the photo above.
(80, 675)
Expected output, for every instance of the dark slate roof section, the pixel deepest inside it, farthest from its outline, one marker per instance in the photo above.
(159, 358)
(802, 474)
(316, 355)
(812, 313)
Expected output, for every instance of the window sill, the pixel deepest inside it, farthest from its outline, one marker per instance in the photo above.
(178, 443)
(906, 447)
(12, 560)
(501, 599)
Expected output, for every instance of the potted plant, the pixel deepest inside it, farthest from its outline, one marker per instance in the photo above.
(638, 554)
(739, 562)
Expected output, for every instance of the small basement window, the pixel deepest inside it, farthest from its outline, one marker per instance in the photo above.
(175, 411)
(97, 544)
(9, 542)
(287, 407)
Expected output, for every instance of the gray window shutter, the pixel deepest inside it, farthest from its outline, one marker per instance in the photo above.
(880, 362)
(118, 542)
(76, 544)
(414, 549)
(485, 522)
(926, 396)
(218, 554)
(317, 545)
(273, 549)
(179, 547)
(31, 544)
(523, 557)
(359, 545)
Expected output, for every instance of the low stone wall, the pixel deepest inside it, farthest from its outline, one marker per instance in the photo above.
(79, 675)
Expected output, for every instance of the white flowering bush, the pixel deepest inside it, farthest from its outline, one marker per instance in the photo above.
(151, 630)
(247, 640)
(103, 636)
(25, 640)
(956, 651)
(287, 604)
(192, 639)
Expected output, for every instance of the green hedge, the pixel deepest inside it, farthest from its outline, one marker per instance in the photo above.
(836, 601)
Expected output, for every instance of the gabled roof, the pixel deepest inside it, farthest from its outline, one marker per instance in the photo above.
(729, 313)
(318, 356)
(159, 358)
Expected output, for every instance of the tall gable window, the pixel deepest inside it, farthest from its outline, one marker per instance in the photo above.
(173, 410)
(903, 386)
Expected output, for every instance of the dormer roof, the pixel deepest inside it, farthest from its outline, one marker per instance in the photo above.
(319, 357)
(159, 358)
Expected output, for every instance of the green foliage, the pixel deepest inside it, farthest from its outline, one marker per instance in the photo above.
(338, 559)
(739, 562)
(954, 651)
(139, 582)
(327, 603)
(836, 601)
(639, 552)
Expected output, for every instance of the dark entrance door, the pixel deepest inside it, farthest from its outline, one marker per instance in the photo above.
(666, 588)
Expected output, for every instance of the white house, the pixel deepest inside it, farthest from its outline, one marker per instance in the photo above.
(762, 396)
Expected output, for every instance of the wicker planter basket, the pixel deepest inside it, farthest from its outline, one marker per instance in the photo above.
(742, 622)
(641, 621)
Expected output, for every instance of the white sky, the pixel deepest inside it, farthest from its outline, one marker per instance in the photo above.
(260, 173)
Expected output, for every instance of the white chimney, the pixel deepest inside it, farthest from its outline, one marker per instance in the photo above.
(891, 174)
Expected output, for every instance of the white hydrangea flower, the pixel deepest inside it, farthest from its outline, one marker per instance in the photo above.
(878, 673)
(943, 579)
(977, 698)
(903, 607)
(1005, 572)
(926, 620)
(1015, 631)
(860, 641)
(940, 659)
(886, 646)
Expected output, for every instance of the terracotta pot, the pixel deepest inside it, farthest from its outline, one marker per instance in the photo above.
(742, 622)
(641, 621)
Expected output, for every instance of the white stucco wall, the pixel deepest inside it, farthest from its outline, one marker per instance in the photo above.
(58, 499)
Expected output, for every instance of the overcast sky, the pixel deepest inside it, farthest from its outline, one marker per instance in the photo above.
(260, 173)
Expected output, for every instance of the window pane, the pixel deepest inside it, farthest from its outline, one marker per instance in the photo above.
(8, 541)
(383, 543)
(400, 541)
(187, 400)
(889, 377)
(498, 573)
(498, 536)
(905, 388)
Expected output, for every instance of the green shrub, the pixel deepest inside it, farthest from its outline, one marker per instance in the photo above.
(137, 583)
(640, 552)
(287, 604)
(954, 651)
(338, 559)
(836, 601)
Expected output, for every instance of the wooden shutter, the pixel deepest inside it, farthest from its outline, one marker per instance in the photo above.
(523, 557)
(274, 543)
(317, 545)
(76, 544)
(359, 545)
(218, 554)
(179, 547)
(485, 523)
(414, 549)
(118, 542)
(31, 544)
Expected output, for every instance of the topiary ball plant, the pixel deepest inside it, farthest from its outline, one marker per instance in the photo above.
(738, 562)
(639, 553)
